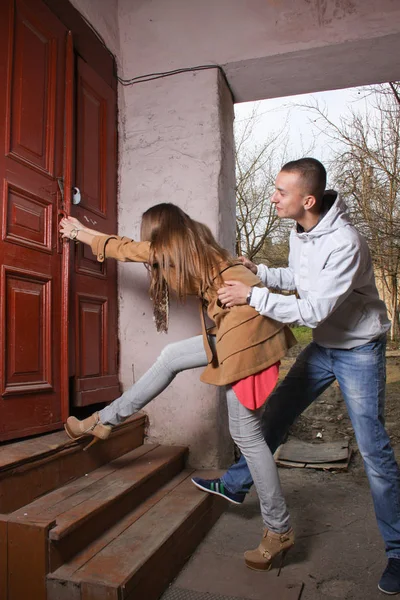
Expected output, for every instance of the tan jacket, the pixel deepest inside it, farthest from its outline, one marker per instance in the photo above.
(247, 343)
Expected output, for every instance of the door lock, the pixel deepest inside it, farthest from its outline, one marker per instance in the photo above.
(76, 195)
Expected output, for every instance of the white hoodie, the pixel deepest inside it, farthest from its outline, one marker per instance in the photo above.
(330, 267)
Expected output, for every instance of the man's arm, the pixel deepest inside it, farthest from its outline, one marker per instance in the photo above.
(334, 284)
(279, 279)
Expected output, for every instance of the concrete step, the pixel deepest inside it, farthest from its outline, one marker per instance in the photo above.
(52, 529)
(31, 468)
(138, 557)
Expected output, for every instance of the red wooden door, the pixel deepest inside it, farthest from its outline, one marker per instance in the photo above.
(32, 69)
(58, 306)
(94, 285)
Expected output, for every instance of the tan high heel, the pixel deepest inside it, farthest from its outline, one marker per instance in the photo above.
(271, 545)
(77, 429)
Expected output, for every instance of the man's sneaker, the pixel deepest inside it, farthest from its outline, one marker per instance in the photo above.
(216, 486)
(390, 580)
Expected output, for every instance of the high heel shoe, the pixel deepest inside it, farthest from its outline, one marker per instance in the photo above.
(271, 545)
(77, 429)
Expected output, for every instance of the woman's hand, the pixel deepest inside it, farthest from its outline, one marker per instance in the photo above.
(69, 224)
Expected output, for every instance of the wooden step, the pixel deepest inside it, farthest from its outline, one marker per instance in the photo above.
(136, 559)
(52, 529)
(31, 468)
(3, 558)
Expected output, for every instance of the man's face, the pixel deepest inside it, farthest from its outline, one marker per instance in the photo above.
(289, 196)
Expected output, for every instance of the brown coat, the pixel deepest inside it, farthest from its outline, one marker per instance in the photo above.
(246, 342)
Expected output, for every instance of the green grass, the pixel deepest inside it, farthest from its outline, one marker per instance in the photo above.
(302, 334)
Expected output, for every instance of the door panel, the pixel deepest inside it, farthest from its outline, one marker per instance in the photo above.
(28, 364)
(32, 66)
(33, 92)
(94, 284)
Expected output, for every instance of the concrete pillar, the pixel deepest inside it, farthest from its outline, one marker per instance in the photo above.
(176, 146)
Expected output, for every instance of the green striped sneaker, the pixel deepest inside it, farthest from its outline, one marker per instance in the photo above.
(216, 486)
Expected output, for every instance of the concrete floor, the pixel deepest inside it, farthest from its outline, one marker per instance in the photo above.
(338, 552)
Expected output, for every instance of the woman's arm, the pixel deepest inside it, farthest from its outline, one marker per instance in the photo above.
(73, 229)
(104, 245)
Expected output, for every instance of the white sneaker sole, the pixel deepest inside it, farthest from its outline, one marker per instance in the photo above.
(388, 593)
(204, 489)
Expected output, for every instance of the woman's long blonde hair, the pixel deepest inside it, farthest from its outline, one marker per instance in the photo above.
(184, 254)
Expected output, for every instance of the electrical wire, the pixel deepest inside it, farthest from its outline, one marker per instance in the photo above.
(153, 76)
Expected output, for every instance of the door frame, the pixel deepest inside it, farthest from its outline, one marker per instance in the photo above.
(87, 42)
(81, 40)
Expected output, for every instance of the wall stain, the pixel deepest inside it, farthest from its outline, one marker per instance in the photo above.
(333, 10)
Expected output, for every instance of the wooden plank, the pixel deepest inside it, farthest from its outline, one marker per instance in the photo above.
(166, 560)
(12, 455)
(173, 545)
(3, 557)
(27, 560)
(122, 560)
(24, 481)
(28, 542)
(332, 466)
(290, 464)
(101, 513)
(67, 571)
(170, 559)
(60, 500)
(98, 503)
(100, 592)
(67, 590)
(305, 452)
(89, 503)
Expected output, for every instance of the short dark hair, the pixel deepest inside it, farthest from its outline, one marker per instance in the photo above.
(313, 173)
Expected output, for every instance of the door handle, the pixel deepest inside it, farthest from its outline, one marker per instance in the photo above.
(60, 182)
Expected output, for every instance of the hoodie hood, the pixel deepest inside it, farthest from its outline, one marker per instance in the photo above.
(333, 216)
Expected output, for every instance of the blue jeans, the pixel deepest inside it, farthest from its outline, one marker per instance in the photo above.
(361, 374)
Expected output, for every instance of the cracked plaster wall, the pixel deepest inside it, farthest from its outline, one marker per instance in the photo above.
(177, 147)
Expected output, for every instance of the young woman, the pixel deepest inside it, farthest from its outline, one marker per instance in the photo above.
(241, 353)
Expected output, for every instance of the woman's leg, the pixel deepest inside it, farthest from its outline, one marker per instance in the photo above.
(245, 429)
(174, 358)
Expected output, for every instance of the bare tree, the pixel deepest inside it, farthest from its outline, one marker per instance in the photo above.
(366, 165)
(256, 169)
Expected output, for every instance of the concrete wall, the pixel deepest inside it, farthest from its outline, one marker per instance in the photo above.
(176, 140)
(177, 147)
(267, 47)
(182, 33)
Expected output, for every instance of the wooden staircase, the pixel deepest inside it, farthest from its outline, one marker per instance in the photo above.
(115, 522)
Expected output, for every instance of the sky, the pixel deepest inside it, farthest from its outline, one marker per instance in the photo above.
(301, 130)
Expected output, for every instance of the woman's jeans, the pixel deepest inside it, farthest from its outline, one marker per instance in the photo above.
(244, 424)
(360, 373)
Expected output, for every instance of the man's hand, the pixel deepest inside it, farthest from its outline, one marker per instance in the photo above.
(233, 293)
(247, 263)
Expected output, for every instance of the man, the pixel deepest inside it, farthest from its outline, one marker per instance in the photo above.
(330, 268)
